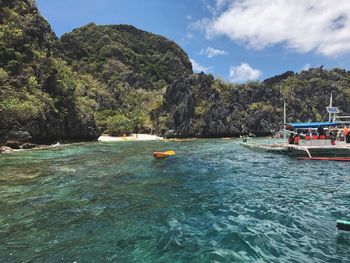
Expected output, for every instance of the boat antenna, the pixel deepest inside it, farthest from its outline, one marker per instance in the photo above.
(330, 105)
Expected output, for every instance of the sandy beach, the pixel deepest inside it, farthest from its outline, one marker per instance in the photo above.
(133, 137)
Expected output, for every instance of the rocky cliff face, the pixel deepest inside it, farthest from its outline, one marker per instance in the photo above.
(197, 109)
(76, 87)
(39, 96)
(134, 66)
(121, 79)
(200, 106)
(134, 57)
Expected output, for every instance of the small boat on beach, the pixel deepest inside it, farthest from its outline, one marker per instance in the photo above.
(163, 155)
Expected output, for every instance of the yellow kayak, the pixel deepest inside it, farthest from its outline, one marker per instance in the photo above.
(162, 155)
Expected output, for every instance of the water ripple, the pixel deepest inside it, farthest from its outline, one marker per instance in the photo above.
(213, 202)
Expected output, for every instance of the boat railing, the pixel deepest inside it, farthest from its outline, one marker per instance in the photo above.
(318, 142)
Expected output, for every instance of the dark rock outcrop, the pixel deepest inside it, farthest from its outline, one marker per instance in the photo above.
(52, 129)
(203, 107)
(39, 96)
(99, 78)
(196, 109)
(179, 102)
(51, 88)
(13, 144)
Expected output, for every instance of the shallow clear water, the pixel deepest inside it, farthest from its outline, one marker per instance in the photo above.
(213, 202)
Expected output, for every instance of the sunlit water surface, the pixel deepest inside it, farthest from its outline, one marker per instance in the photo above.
(213, 202)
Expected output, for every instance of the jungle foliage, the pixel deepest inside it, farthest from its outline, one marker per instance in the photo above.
(119, 79)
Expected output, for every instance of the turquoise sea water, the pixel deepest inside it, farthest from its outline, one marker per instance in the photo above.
(213, 202)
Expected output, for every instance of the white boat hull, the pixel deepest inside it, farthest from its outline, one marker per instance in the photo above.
(325, 151)
(302, 151)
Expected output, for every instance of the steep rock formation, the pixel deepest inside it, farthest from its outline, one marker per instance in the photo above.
(37, 98)
(120, 79)
(134, 65)
(133, 56)
(78, 86)
(200, 106)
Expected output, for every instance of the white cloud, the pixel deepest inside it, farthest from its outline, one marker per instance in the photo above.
(306, 67)
(189, 17)
(201, 25)
(217, 6)
(222, 3)
(243, 73)
(321, 26)
(212, 52)
(197, 67)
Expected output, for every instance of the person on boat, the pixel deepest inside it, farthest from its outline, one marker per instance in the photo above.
(346, 134)
(321, 133)
(297, 139)
(308, 135)
(291, 139)
(332, 136)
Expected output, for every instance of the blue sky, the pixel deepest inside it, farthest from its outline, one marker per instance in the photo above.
(237, 40)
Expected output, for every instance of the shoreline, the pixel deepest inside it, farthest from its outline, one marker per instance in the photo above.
(132, 137)
(103, 138)
(107, 138)
(9, 150)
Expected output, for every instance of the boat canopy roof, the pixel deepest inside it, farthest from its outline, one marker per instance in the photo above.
(305, 125)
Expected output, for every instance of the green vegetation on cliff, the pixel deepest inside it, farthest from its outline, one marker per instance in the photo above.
(92, 80)
(136, 67)
(125, 54)
(40, 93)
(201, 106)
(119, 79)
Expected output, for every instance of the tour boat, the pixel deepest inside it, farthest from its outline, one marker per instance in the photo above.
(308, 147)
